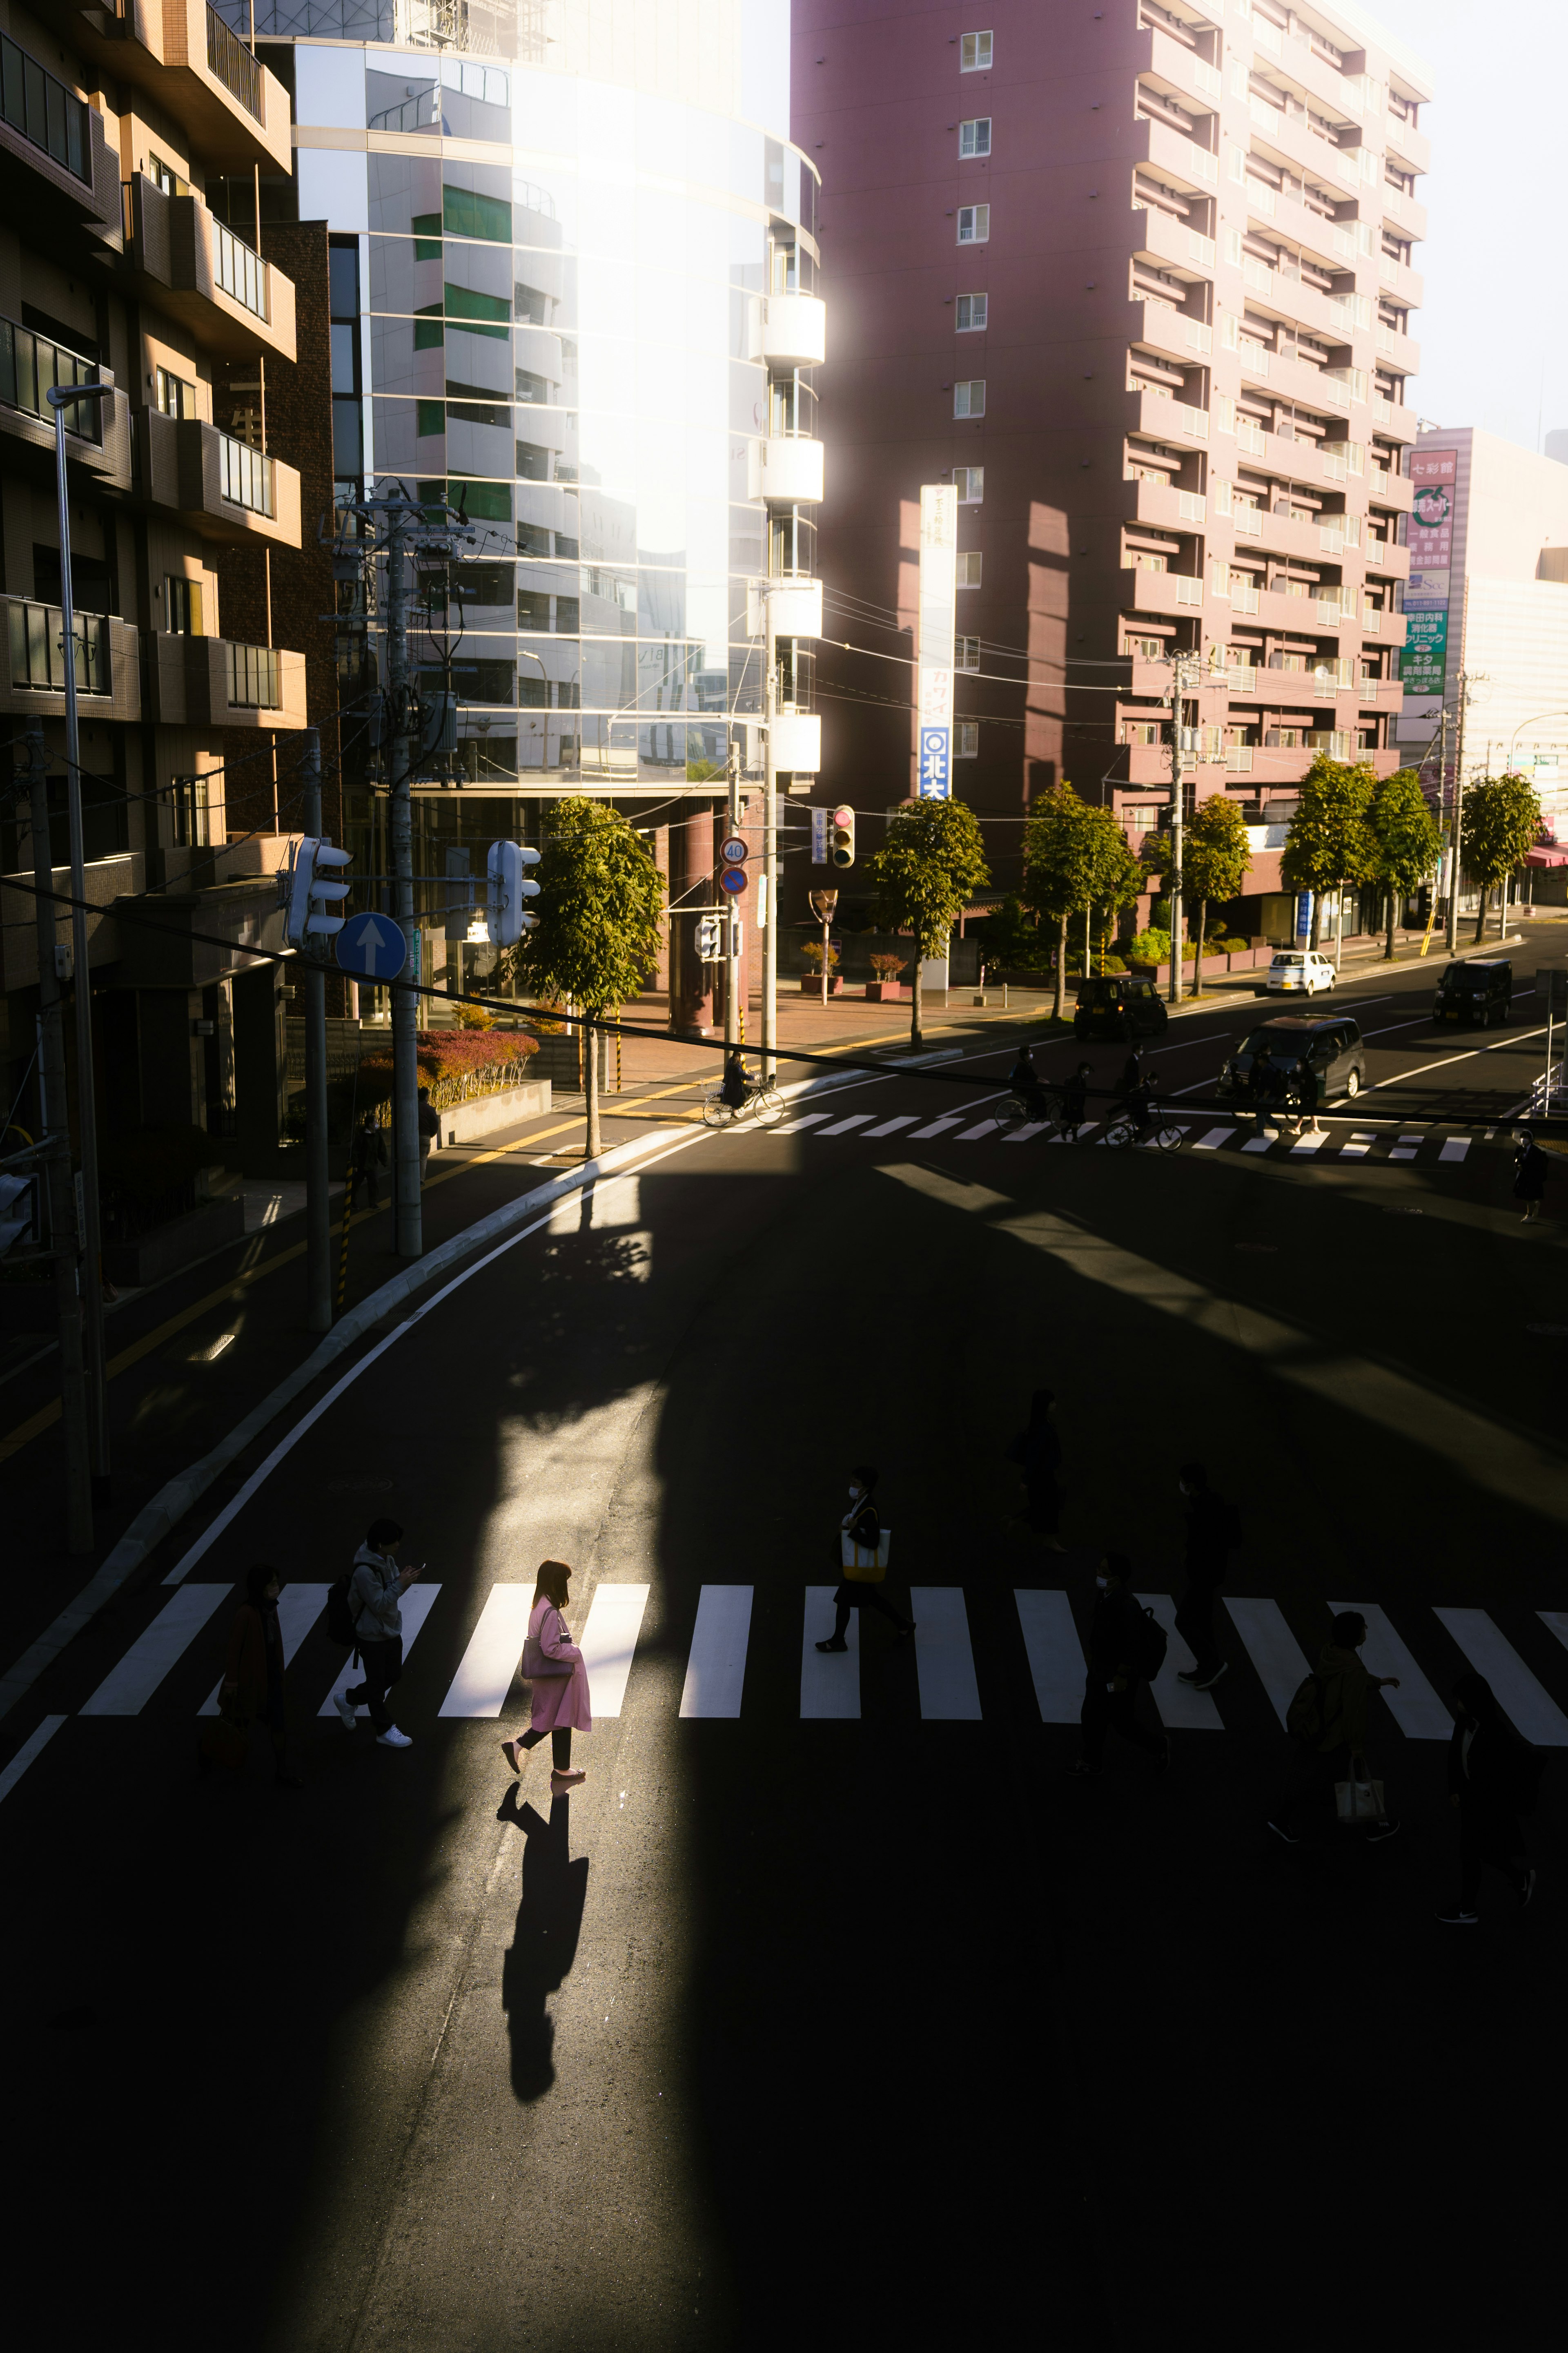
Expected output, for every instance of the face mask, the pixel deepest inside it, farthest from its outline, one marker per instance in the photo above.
(1100, 1582)
(855, 1494)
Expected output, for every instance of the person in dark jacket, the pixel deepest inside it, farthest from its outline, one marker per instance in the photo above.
(1211, 1533)
(428, 1121)
(1025, 1082)
(1530, 1183)
(1037, 1451)
(369, 1155)
(1302, 1093)
(1335, 1750)
(1263, 1086)
(1492, 1781)
(376, 1589)
(1133, 1070)
(734, 1088)
(1116, 1669)
(1074, 1103)
(252, 1688)
(861, 1524)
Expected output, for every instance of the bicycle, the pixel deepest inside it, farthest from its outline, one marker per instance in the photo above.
(764, 1105)
(1162, 1131)
(1017, 1112)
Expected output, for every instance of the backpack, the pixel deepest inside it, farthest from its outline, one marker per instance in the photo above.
(340, 1613)
(1146, 1643)
(1306, 1718)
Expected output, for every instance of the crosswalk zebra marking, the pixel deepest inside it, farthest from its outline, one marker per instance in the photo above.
(607, 1642)
(1055, 1655)
(298, 1606)
(970, 1135)
(489, 1665)
(1310, 1143)
(33, 1747)
(1416, 1707)
(936, 1127)
(808, 1119)
(1027, 1132)
(1521, 1697)
(1455, 1147)
(1272, 1648)
(1360, 1145)
(944, 1657)
(1212, 1138)
(417, 1604)
(127, 1687)
(842, 1126)
(891, 1126)
(1182, 1709)
(830, 1681)
(1407, 1148)
(1260, 1143)
(716, 1663)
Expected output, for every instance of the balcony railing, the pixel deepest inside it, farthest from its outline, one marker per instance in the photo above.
(247, 475)
(254, 677)
(43, 111)
(240, 272)
(233, 66)
(30, 365)
(37, 649)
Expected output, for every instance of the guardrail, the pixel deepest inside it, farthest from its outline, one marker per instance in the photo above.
(37, 648)
(49, 116)
(30, 365)
(247, 475)
(233, 66)
(254, 677)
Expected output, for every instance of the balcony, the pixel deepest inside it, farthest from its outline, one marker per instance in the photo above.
(1392, 419)
(1401, 352)
(1163, 327)
(56, 170)
(30, 365)
(1194, 82)
(1145, 763)
(1384, 693)
(1388, 628)
(789, 469)
(218, 682)
(1402, 139)
(1283, 217)
(1165, 420)
(1174, 157)
(221, 488)
(195, 271)
(1387, 558)
(1407, 215)
(792, 330)
(32, 662)
(1388, 490)
(1144, 590)
(1164, 238)
(181, 56)
(1169, 510)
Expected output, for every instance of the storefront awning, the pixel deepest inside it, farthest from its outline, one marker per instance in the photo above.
(1546, 858)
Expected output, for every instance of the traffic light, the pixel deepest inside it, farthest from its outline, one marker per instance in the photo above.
(843, 835)
(710, 931)
(506, 888)
(306, 912)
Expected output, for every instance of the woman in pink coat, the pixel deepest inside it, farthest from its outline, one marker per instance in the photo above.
(559, 1701)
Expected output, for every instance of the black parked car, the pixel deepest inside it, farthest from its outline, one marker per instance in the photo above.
(1119, 1006)
(1333, 1049)
(1480, 990)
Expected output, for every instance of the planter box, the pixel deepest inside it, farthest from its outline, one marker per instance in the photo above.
(27, 1307)
(811, 984)
(887, 992)
(460, 1122)
(166, 1249)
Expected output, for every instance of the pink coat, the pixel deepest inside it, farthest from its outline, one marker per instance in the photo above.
(558, 1700)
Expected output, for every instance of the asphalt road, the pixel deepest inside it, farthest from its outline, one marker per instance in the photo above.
(861, 2028)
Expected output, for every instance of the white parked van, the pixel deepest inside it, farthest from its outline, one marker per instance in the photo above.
(1301, 968)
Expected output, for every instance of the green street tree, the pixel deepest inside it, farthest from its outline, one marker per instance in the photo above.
(1500, 818)
(1008, 941)
(1061, 866)
(928, 870)
(1215, 863)
(1407, 842)
(596, 942)
(1117, 875)
(1328, 842)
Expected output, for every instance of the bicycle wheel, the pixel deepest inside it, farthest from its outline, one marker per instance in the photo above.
(717, 1113)
(1120, 1133)
(1168, 1138)
(769, 1106)
(1010, 1114)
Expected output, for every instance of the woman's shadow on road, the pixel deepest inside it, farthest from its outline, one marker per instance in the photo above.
(549, 1923)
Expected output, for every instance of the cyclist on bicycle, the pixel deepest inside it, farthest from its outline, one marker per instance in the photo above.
(1027, 1085)
(735, 1090)
(1074, 1102)
(1140, 1105)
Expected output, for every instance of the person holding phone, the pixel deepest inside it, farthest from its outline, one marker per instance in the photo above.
(375, 1594)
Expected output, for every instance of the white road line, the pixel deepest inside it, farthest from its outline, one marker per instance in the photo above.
(891, 1126)
(1455, 1147)
(794, 1126)
(944, 1656)
(1521, 1698)
(298, 1606)
(1399, 1077)
(842, 1126)
(970, 1135)
(1272, 1648)
(127, 1688)
(1405, 1148)
(417, 1604)
(950, 1119)
(1179, 1705)
(1027, 1132)
(608, 1641)
(1213, 1137)
(1055, 1655)
(490, 1663)
(31, 1747)
(1367, 1034)
(830, 1682)
(1260, 1143)
(1414, 1706)
(716, 1666)
(1360, 1144)
(1311, 1142)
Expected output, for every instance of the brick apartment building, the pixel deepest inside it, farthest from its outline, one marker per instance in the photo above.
(1139, 279)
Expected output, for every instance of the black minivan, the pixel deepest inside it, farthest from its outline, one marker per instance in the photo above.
(1120, 1004)
(1333, 1051)
(1479, 989)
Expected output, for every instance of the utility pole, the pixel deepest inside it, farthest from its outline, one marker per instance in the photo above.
(407, 1207)
(734, 964)
(54, 1137)
(770, 843)
(318, 1229)
(1174, 879)
(1458, 811)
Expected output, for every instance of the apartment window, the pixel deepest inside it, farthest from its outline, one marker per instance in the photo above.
(975, 138)
(165, 177)
(966, 652)
(966, 740)
(971, 313)
(190, 814)
(175, 396)
(348, 382)
(969, 569)
(969, 482)
(1140, 731)
(1141, 821)
(975, 53)
(1145, 648)
(969, 399)
(182, 606)
(974, 224)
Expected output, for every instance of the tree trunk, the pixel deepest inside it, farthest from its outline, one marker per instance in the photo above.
(591, 1042)
(1057, 1013)
(1198, 958)
(1481, 915)
(916, 1040)
(1388, 943)
(1317, 918)
(1339, 926)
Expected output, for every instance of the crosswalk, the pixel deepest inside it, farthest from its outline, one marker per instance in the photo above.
(1334, 1140)
(948, 1679)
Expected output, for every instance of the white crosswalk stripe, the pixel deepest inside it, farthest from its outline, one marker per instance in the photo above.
(1521, 1698)
(1055, 1655)
(937, 1127)
(1407, 1148)
(417, 1605)
(1213, 1138)
(128, 1687)
(891, 1126)
(808, 1119)
(607, 1642)
(1311, 1142)
(1361, 1144)
(298, 1606)
(971, 1135)
(944, 1657)
(1272, 1648)
(490, 1663)
(842, 1126)
(1455, 1147)
(830, 1681)
(716, 1665)
(1182, 1709)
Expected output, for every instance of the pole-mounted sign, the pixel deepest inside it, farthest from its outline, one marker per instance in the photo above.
(938, 612)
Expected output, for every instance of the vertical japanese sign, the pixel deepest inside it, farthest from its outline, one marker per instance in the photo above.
(1424, 666)
(938, 599)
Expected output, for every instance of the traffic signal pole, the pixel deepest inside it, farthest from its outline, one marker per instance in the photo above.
(1173, 880)
(407, 1217)
(318, 1228)
(734, 967)
(770, 846)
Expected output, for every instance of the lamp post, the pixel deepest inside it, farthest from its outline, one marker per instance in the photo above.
(60, 397)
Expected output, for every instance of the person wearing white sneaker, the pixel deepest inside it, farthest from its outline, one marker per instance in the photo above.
(559, 1674)
(375, 1595)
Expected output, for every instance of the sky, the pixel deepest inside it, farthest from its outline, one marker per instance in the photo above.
(1494, 326)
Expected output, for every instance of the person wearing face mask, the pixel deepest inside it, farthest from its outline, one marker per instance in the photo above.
(1214, 1529)
(862, 1526)
(1119, 1660)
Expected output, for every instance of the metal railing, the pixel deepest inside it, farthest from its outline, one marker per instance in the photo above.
(254, 675)
(247, 475)
(43, 111)
(37, 648)
(233, 66)
(240, 272)
(30, 365)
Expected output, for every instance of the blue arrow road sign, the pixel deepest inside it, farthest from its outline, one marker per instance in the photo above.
(373, 947)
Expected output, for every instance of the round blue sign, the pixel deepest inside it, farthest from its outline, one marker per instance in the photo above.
(733, 879)
(373, 947)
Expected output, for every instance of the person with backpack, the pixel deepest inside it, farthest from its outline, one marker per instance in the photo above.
(860, 1583)
(1214, 1531)
(373, 1596)
(1493, 1777)
(1327, 1719)
(559, 1674)
(1126, 1650)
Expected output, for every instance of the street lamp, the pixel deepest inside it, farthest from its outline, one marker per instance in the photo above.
(60, 397)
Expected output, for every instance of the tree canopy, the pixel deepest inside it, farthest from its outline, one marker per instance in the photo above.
(1408, 840)
(927, 871)
(1328, 839)
(1075, 857)
(1215, 857)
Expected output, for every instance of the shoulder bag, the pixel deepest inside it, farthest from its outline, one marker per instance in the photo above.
(537, 1663)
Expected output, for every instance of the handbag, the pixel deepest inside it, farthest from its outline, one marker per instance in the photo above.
(537, 1663)
(862, 1566)
(1359, 1801)
(226, 1738)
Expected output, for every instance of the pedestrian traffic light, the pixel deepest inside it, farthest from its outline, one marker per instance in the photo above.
(306, 914)
(843, 835)
(506, 889)
(710, 931)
